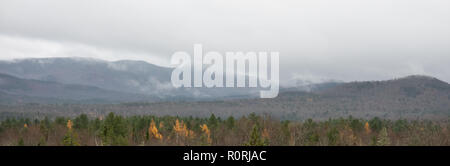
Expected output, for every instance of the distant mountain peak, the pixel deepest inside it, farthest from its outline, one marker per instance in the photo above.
(418, 77)
(127, 76)
(52, 59)
(422, 80)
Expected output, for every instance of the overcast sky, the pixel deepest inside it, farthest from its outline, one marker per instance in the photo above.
(317, 39)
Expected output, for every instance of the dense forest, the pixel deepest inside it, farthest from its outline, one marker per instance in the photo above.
(250, 130)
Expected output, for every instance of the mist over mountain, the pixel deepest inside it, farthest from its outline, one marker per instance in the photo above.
(412, 97)
(146, 88)
(126, 76)
(14, 90)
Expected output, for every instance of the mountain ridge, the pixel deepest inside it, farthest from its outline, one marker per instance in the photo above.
(128, 76)
(412, 97)
(17, 90)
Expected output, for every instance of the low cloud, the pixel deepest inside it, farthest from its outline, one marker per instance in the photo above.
(341, 40)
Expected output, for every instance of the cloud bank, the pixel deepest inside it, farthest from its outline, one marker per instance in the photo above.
(342, 40)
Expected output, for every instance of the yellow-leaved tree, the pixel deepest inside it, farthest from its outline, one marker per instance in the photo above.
(367, 128)
(153, 131)
(71, 138)
(206, 134)
(182, 132)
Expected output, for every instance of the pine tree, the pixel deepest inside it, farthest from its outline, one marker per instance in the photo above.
(81, 122)
(213, 121)
(230, 122)
(70, 138)
(114, 130)
(255, 138)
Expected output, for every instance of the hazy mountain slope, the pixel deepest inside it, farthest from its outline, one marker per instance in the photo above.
(415, 97)
(411, 97)
(16, 90)
(124, 76)
(411, 86)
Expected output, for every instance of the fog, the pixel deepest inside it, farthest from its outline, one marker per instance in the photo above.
(318, 40)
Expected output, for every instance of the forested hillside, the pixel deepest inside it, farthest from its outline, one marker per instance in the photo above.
(251, 130)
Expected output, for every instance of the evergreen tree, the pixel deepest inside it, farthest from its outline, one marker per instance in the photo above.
(213, 121)
(230, 122)
(70, 138)
(255, 138)
(114, 130)
(81, 122)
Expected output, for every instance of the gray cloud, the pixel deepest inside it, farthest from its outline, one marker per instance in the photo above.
(327, 39)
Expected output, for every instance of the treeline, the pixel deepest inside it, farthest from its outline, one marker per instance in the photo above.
(251, 130)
